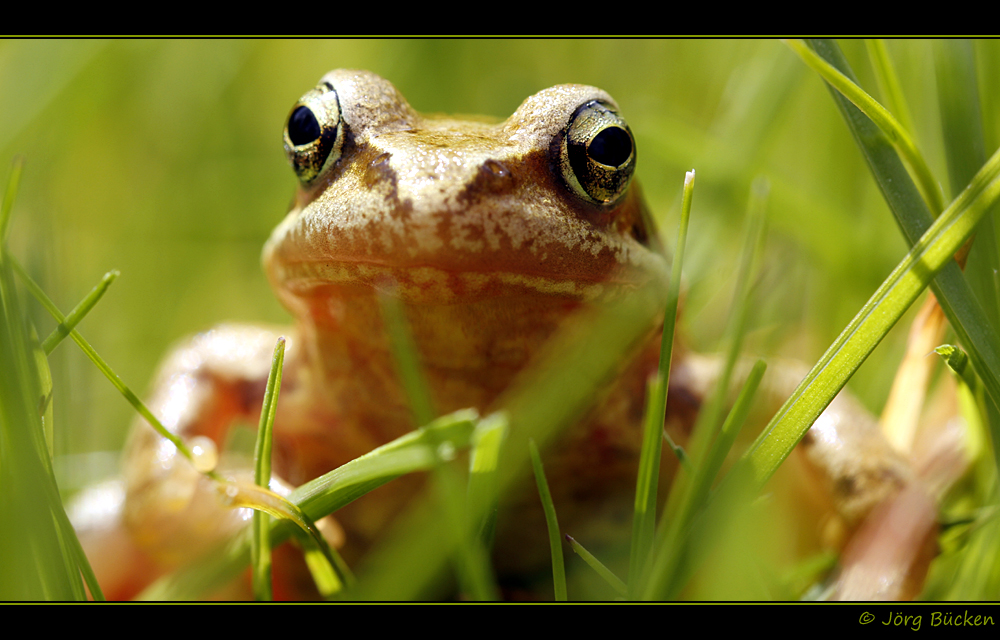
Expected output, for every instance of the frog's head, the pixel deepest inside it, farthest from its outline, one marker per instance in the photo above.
(445, 209)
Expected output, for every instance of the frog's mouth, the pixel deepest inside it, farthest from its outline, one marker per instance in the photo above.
(430, 284)
(452, 283)
(450, 257)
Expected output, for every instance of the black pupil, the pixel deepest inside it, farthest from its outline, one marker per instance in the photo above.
(302, 126)
(611, 147)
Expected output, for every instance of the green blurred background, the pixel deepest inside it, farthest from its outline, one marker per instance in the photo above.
(163, 159)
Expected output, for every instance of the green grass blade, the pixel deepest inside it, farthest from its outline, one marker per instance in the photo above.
(264, 500)
(958, 361)
(978, 575)
(688, 491)
(407, 359)
(422, 533)
(962, 132)
(260, 549)
(878, 114)
(40, 557)
(647, 481)
(701, 535)
(964, 312)
(102, 366)
(928, 256)
(487, 445)
(731, 428)
(958, 100)
(648, 478)
(888, 82)
(614, 581)
(406, 454)
(971, 408)
(474, 573)
(552, 524)
(710, 416)
(682, 546)
(9, 196)
(323, 496)
(78, 313)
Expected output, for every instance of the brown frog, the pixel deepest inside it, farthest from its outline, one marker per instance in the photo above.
(490, 235)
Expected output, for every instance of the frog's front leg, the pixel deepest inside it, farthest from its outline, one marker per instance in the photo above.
(205, 387)
(883, 502)
(847, 455)
(171, 512)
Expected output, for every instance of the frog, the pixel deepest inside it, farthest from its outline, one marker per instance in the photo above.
(491, 236)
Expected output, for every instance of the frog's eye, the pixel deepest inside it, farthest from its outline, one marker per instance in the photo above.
(598, 153)
(314, 133)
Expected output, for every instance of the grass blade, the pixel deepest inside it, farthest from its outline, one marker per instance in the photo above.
(260, 548)
(40, 557)
(648, 478)
(598, 566)
(958, 99)
(964, 142)
(483, 477)
(879, 115)
(730, 428)
(929, 255)
(78, 313)
(888, 81)
(473, 568)
(103, 366)
(685, 499)
(952, 290)
(9, 196)
(323, 496)
(264, 500)
(552, 523)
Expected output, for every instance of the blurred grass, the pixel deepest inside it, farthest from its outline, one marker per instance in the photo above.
(162, 159)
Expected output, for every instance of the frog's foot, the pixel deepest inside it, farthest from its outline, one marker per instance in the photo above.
(124, 568)
(888, 556)
(204, 388)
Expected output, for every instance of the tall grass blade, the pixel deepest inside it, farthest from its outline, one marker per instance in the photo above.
(260, 549)
(483, 499)
(9, 196)
(101, 364)
(552, 524)
(78, 313)
(472, 563)
(880, 116)
(964, 142)
(323, 496)
(648, 478)
(932, 253)
(888, 82)
(39, 553)
(608, 575)
(687, 495)
(914, 218)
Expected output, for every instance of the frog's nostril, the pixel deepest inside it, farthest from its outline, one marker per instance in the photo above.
(495, 168)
